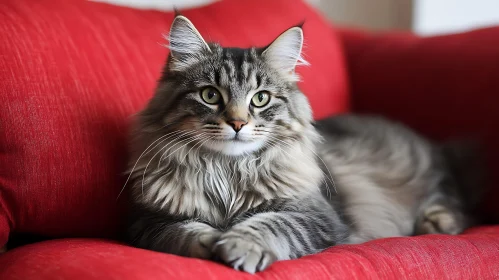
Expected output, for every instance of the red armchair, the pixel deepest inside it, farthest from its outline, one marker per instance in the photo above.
(446, 87)
(72, 72)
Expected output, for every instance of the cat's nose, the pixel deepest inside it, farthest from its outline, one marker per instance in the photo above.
(237, 124)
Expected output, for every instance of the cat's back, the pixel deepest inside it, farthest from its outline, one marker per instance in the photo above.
(381, 168)
(368, 129)
(372, 140)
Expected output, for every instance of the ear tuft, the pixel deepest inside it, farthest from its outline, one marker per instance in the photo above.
(187, 46)
(284, 54)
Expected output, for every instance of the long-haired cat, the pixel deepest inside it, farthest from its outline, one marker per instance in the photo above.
(227, 163)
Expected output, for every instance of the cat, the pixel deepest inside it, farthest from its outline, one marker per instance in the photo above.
(228, 164)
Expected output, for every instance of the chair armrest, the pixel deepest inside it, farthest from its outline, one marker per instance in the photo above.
(443, 86)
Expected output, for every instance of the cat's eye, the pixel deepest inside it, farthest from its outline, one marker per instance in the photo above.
(211, 95)
(260, 99)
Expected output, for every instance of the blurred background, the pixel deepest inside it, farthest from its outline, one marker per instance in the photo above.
(425, 17)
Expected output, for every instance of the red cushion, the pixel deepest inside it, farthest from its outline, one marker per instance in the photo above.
(469, 256)
(73, 72)
(444, 86)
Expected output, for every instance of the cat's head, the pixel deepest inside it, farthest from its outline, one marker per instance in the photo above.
(238, 101)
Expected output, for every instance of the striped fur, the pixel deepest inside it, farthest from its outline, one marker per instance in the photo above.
(201, 189)
(392, 182)
(258, 193)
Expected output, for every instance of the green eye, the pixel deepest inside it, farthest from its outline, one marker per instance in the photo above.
(260, 99)
(210, 95)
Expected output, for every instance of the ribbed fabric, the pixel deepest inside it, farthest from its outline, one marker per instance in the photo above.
(445, 86)
(474, 255)
(72, 74)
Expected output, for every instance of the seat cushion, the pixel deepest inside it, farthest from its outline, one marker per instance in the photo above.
(473, 255)
(72, 74)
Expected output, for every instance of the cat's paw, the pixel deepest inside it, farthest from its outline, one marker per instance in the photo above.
(440, 219)
(203, 247)
(243, 254)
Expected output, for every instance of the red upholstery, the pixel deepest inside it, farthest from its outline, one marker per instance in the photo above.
(444, 86)
(73, 72)
(470, 256)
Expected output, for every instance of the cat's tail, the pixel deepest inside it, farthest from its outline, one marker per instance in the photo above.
(466, 165)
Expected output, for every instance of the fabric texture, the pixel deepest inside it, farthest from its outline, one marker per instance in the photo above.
(446, 87)
(473, 255)
(72, 74)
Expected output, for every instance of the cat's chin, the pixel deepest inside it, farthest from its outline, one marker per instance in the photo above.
(235, 147)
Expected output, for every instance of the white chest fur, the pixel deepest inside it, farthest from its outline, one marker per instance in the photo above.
(215, 188)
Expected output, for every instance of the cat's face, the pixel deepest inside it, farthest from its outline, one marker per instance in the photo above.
(237, 101)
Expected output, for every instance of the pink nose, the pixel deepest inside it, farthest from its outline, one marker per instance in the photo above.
(237, 124)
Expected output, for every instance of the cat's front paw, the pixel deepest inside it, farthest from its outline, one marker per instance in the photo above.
(243, 254)
(202, 248)
(440, 219)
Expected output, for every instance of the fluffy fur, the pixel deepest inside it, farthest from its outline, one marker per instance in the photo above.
(392, 182)
(215, 175)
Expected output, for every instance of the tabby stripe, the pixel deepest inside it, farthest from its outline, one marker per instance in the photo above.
(283, 98)
(293, 239)
(270, 228)
(304, 245)
(258, 81)
(314, 236)
(217, 78)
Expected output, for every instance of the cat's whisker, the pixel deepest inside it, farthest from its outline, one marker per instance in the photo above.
(145, 169)
(179, 135)
(171, 147)
(145, 152)
(177, 122)
(204, 142)
(200, 142)
(191, 139)
(212, 126)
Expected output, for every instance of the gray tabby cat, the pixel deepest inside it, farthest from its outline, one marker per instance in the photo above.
(225, 163)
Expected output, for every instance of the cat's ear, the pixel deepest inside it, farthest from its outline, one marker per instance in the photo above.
(284, 54)
(185, 43)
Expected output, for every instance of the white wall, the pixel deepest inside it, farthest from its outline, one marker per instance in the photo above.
(168, 5)
(162, 5)
(368, 14)
(425, 17)
(446, 16)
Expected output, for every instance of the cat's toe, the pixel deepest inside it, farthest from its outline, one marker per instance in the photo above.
(243, 255)
(266, 260)
(439, 219)
(205, 241)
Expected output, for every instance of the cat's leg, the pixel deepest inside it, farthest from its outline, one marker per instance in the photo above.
(280, 231)
(440, 215)
(172, 234)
